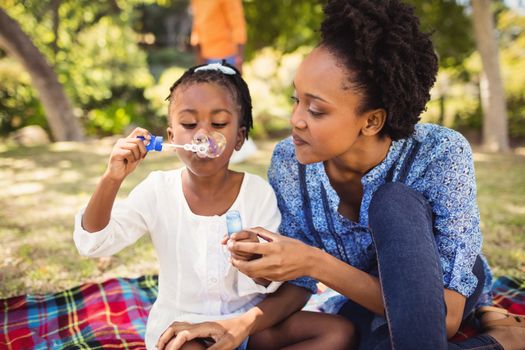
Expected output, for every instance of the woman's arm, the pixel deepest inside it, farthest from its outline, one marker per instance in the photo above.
(230, 333)
(285, 258)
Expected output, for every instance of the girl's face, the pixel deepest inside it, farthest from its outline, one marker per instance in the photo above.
(203, 108)
(324, 121)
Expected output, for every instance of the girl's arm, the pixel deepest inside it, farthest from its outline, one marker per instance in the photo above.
(125, 156)
(230, 333)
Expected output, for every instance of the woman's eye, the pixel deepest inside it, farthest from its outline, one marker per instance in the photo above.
(314, 113)
(294, 99)
(189, 125)
(219, 125)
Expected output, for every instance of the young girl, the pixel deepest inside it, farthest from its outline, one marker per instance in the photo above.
(184, 209)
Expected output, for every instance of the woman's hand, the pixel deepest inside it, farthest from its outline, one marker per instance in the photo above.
(227, 334)
(127, 154)
(282, 258)
(242, 236)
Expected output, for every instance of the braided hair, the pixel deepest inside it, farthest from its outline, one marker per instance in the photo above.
(388, 59)
(233, 82)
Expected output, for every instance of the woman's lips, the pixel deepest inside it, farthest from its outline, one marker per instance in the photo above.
(297, 140)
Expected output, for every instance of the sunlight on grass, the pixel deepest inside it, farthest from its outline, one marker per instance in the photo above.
(43, 188)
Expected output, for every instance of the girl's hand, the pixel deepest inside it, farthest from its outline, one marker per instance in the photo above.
(282, 258)
(227, 334)
(241, 236)
(127, 154)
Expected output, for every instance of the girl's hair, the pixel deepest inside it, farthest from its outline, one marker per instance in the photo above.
(389, 60)
(233, 82)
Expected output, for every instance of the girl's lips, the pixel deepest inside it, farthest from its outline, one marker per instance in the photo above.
(297, 140)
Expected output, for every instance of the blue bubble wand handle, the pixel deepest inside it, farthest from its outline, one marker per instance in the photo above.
(203, 146)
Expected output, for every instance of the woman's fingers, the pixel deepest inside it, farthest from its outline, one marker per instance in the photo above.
(226, 342)
(181, 332)
(242, 235)
(179, 340)
(265, 234)
(250, 248)
(165, 338)
(258, 268)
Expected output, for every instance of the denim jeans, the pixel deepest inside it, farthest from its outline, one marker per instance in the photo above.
(411, 278)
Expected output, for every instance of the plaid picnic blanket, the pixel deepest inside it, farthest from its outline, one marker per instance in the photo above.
(112, 314)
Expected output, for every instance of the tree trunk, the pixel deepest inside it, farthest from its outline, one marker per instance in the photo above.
(495, 123)
(63, 124)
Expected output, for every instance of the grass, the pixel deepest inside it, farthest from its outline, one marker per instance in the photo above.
(43, 188)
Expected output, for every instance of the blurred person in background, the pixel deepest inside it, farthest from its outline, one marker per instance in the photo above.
(218, 31)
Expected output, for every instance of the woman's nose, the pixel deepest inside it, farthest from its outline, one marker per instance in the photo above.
(297, 119)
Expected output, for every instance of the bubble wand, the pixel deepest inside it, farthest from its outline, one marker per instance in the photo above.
(205, 146)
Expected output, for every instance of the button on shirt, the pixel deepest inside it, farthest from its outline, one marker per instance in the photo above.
(196, 281)
(442, 170)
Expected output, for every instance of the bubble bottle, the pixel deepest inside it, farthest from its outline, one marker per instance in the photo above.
(204, 145)
(233, 222)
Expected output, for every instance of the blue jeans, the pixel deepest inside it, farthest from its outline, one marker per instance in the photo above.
(411, 279)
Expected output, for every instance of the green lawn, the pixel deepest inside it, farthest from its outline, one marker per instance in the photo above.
(43, 188)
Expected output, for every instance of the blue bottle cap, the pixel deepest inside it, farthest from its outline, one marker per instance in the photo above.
(155, 143)
(233, 221)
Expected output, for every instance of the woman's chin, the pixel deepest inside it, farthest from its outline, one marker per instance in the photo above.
(305, 158)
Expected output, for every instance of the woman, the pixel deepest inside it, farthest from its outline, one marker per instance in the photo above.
(374, 206)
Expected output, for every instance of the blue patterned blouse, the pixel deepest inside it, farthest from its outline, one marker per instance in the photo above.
(442, 170)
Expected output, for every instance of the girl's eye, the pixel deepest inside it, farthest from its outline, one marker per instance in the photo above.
(189, 125)
(219, 125)
(294, 99)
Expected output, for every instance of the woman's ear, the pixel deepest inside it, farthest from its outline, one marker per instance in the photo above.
(375, 121)
(241, 136)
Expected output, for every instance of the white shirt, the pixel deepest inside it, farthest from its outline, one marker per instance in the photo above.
(196, 281)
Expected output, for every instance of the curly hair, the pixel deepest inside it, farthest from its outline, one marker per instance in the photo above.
(388, 58)
(233, 82)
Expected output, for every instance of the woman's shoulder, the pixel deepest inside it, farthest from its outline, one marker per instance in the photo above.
(437, 134)
(284, 164)
(441, 140)
(284, 151)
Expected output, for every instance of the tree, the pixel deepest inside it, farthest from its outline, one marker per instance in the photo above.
(495, 128)
(59, 113)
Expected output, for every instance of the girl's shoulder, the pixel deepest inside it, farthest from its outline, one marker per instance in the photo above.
(255, 183)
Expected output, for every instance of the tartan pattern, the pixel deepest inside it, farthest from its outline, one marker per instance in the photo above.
(113, 314)
(108, 315)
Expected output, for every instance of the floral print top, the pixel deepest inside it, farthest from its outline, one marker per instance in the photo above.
(440, 167)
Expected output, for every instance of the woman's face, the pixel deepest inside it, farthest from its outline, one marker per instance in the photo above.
(203, 108)
(324, 120)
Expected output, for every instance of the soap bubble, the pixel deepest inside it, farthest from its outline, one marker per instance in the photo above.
(208, 145)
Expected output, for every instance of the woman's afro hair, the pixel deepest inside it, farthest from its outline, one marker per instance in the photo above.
(389, 60)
